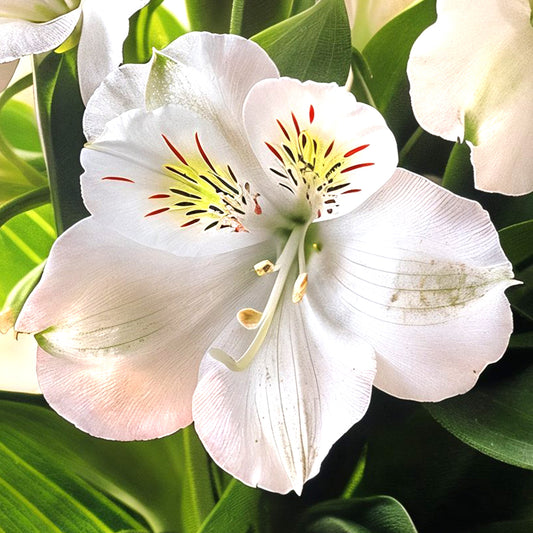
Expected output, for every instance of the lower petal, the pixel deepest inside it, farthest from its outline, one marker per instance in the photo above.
(272, 424)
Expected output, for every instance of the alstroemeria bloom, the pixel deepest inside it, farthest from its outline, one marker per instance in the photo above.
(471, 77)
(255, 263)
(35, 26)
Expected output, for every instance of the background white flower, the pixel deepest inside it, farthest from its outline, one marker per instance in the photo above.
(254, 263)
(471, 76)
(35, 26)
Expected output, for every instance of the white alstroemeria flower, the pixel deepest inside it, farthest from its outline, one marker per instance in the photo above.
(35, 26)
(255, 263)
(367, 17)
(471, 77)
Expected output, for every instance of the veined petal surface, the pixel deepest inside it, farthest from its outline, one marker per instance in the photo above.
(19, 37)
(211, 74)
(419, 273)
(123, 346)
(323, 151)
(471, 76)
(172, 180)
(105, 26)
(272, 424)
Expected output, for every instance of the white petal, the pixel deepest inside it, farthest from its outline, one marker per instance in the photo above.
(19, 38)
(272, 424)
(6, 73)
(324, 151)
(127, 326)
(105, 26)
(122, 90)
(471, 77)
(36, 10)
(420, 274)
(151, 177)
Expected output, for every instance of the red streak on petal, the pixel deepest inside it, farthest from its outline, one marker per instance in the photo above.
(355, 167)
(355, 150)
(296, 125)
(274, 151)
(257, 210)
(158, 196)
(319, 214)
(351, 190)
(175, 151)
(330, 147)
(203, 154)
(157, 211)
(311, 114)
(117, 178)
(190, 223)
(283, 130)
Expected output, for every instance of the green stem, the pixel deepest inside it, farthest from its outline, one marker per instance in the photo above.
(237, 10)
(25, 202)
(408, 146)
(31, 175)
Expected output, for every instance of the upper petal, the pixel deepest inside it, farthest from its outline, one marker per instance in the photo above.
(419, 272)
(272, 424)
(471, 76)
(208, 73)
(105, 26)
(20, 37)
(324, 153)
(171, 179)
(126, 326)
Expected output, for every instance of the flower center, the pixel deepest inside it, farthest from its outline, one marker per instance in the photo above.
(312, 168)
(253, 319)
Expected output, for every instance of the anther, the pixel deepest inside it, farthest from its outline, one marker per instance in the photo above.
(264, 267)
(300, 286)
(249, 318)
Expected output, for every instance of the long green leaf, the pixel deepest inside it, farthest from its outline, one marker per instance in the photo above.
(39, 493)
(496, 417)
(313, 45)
(209, 15)
(387, 54)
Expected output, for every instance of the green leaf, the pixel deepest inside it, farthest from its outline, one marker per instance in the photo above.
(25, 242)
(151, 27)
(313, 45)
(504, 210)
(387, 54)
(377, 514)
(39, 492)
(249, 17)
(446, 485)
(209, 15)
(496, 417)
(19, 126)
(516, 242)
(60, 111)
(237, 511)
(361, 73)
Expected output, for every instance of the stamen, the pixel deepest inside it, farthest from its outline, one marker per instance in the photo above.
(264, 267)
(300, 287)
(249, 318)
